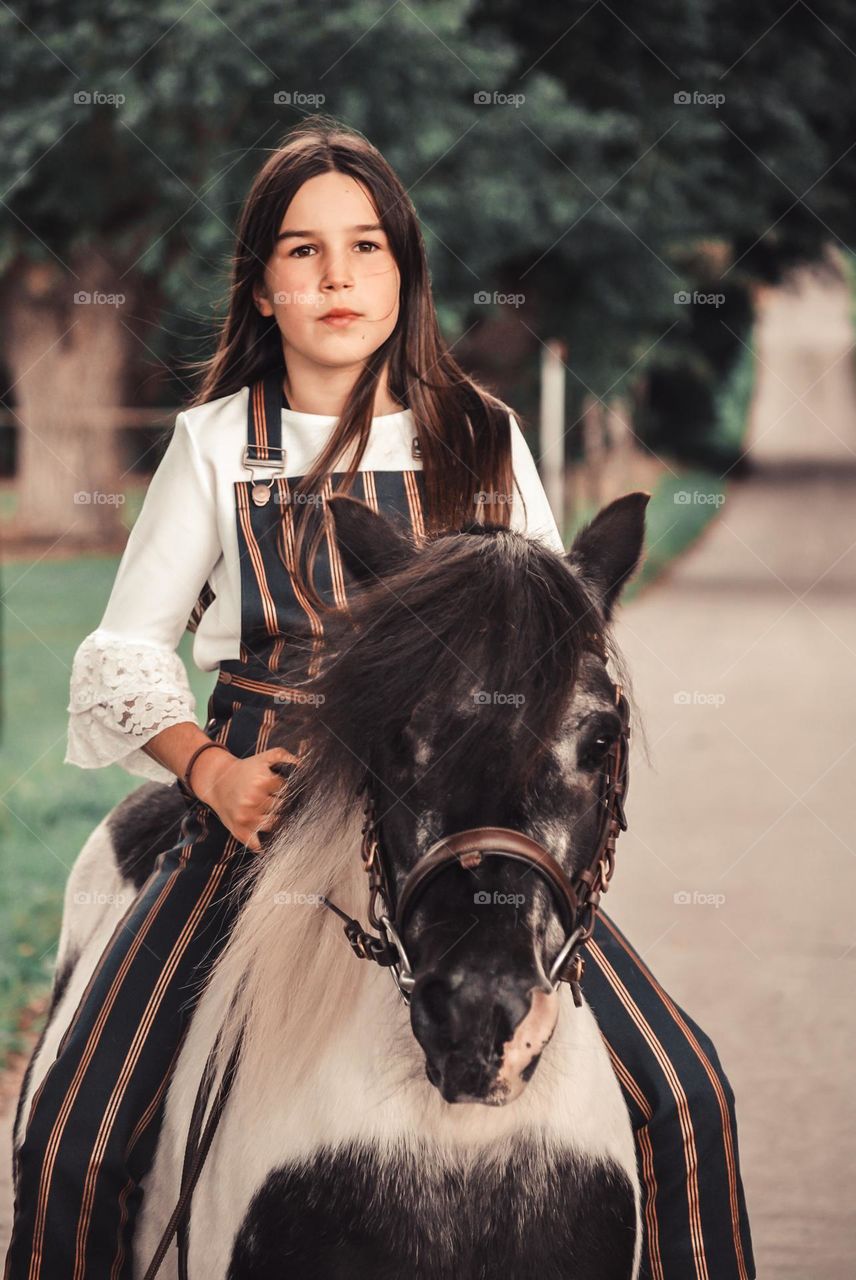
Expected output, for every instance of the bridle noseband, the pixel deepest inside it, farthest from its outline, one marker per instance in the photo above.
(577, 896)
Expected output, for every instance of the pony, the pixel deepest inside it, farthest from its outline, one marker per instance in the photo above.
(466, 1122)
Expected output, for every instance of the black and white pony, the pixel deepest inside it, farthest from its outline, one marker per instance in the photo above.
(478, 1131)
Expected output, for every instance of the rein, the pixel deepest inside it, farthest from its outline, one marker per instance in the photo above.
(577, 897)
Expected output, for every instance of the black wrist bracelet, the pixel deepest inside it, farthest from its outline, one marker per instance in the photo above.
(184, 783)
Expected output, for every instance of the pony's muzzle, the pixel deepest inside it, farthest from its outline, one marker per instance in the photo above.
(482, 1034)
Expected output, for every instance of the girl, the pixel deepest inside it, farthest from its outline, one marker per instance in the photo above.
(330, 351)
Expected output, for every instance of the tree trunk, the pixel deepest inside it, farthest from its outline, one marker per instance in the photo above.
(66, 350)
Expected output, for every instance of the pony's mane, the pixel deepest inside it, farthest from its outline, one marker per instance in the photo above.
(482, 608)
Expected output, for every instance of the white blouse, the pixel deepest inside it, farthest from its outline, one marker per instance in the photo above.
(127, 680)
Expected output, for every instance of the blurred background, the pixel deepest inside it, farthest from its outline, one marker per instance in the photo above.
(641, 223)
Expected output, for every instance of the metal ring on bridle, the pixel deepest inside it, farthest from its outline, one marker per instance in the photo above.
(570, 945)
(404, 977)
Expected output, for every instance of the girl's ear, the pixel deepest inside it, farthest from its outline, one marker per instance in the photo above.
(260, 298)
(369, 544)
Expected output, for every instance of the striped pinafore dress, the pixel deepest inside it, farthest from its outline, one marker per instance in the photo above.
(94, 1121)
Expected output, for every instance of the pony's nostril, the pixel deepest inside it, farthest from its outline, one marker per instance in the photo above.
(434, 1000)
(453, 1016)
(438, 1014)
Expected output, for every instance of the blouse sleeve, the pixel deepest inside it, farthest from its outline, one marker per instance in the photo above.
(537, 518)
(127, 680)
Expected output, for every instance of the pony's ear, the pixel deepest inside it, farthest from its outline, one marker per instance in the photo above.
(369, 544)
(608, 549)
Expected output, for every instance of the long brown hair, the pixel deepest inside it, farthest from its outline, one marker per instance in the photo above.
(463, 430)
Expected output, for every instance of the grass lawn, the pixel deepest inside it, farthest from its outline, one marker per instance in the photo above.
(48, 808)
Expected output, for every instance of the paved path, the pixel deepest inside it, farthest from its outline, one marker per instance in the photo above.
(746, 797)
(749, 793)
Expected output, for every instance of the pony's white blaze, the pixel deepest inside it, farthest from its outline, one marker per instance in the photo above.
(330, 1058)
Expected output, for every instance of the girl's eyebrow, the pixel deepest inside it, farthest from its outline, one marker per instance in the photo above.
(365, 226)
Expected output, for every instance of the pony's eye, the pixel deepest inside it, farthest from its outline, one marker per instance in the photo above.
(596, 750)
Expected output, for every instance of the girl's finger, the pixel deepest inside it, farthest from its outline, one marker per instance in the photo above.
(278, 755)
(269, 818)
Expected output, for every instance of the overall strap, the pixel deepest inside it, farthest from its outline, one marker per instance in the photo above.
(264, 417)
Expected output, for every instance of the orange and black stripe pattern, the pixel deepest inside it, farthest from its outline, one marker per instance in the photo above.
(682, 1109)
(105, 1087)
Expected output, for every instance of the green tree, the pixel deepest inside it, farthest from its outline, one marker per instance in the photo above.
(717, 140)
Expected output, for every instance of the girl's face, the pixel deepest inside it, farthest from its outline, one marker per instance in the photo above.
(331, 255)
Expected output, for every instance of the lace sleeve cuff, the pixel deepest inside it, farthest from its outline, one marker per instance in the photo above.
(122, 693)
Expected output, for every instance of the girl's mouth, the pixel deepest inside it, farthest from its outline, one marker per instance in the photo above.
(339, 319)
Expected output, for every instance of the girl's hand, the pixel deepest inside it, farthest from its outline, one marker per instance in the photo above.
(242, 792)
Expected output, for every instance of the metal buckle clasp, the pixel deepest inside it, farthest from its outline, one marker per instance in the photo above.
(275, 463)
(261, 492)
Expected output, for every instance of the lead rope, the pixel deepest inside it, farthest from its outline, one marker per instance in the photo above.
(194, 1156)
(191, 1151)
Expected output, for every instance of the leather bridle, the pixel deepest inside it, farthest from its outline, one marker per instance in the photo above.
(577, 896)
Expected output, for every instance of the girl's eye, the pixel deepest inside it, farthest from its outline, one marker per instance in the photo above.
(361, 244)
